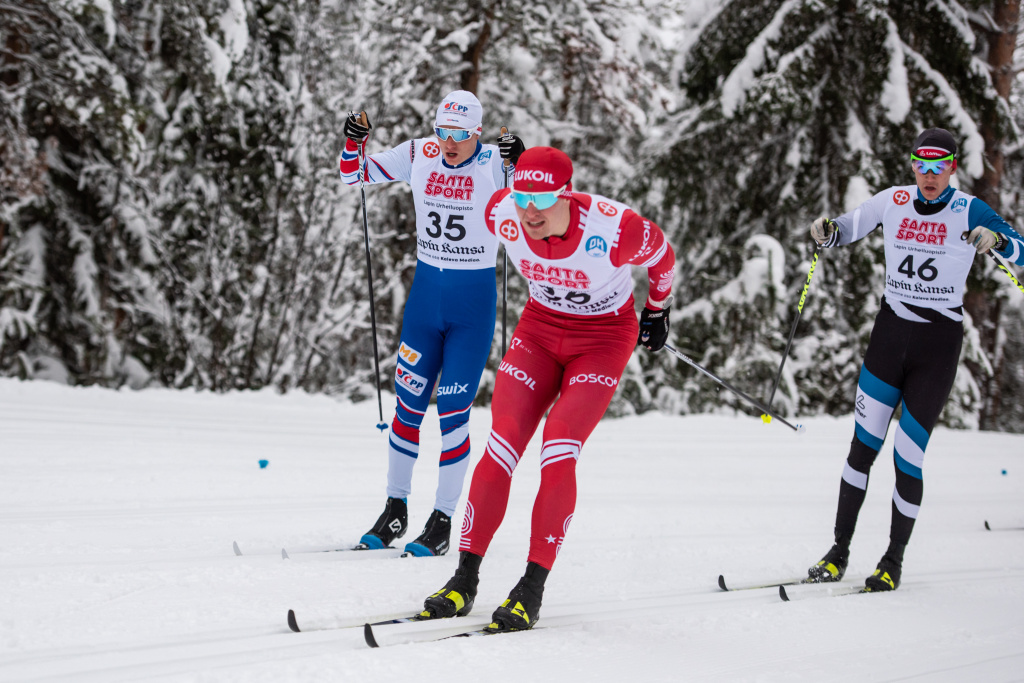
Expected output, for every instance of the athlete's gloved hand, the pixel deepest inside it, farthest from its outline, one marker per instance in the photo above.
(510, 147)
(825, 232)
(653, 328)
(355, 130)
(984, 239)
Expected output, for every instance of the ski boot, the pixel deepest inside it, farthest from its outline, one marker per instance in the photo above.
(457, 596)
(831, 567)
(887, 574)
(522, 608)
(391, 524)
(434, 539)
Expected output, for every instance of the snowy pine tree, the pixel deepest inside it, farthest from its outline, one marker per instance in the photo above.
(800, 108)
(78, 298)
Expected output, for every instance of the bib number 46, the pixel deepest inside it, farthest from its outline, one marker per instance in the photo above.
(453, 229)
(926, 271)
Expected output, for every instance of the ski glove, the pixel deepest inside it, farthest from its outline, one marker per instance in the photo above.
(984, 239)
(825, 232)
(510, 147)
(356, 131)
(653, 328)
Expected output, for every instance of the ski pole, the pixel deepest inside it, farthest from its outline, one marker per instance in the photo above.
(792, 332)
(369, 274)
(799, 429)
(504, 267)
(999, 264)
(1002, 267)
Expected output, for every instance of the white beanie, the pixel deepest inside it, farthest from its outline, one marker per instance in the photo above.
(461, 109)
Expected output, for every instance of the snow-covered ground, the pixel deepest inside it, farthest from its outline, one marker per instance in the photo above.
(118, 511)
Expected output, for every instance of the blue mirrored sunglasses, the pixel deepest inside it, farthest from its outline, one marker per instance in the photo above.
(542, 200)
(456, 134)
(935, 166)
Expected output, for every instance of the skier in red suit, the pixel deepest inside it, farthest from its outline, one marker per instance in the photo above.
(569, 350)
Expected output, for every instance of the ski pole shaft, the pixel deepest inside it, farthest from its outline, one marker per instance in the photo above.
(1002, 266)
(792, 331)
(999, 264)
(369, 276)
(799, 429)
(504, 266)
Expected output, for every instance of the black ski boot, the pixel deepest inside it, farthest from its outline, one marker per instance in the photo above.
(522, 608)
(457, 596)
(434, 539)
(887, 574)
(831, 567)
(391, 524)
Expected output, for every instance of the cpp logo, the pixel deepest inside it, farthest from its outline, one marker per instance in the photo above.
(607, 209)
(901, 197)
(509, 229)
(959, 206)
(596, 246)
(456, 107)
(484, 158)
(410, 380)
(431, 149)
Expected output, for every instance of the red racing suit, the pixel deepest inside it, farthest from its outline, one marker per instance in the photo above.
(573, 341)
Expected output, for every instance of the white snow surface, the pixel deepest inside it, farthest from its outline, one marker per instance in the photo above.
(118, 510)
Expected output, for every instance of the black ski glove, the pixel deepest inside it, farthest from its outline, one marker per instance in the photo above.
(356, 131)
(653, 328)
(510, 147)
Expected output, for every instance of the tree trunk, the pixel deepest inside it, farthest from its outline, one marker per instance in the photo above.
(470, 79)
(1001, 37)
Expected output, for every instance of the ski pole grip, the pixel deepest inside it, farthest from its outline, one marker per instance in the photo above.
(363, 119)
(504, 132)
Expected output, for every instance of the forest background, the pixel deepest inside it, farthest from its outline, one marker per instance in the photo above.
(172, 213)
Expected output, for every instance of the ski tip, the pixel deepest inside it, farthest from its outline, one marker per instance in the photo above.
(284, 554)
(368, 635)
(238, 551)
(292, 624)
(782, 594)
(721, 582)
(986, 527)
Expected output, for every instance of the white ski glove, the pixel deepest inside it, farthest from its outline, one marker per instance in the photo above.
(825, 232)
(984, 239)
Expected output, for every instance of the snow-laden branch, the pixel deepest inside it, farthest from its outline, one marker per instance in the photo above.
(972, 153)
(896, 89)
(743, 76)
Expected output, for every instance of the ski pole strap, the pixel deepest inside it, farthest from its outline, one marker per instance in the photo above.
(799, 429)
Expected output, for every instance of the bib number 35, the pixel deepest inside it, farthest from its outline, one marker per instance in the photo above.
(926, 271)
(453, 229)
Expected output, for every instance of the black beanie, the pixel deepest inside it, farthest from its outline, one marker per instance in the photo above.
(934, 143)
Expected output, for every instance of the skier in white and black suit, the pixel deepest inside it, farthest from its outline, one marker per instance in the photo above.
(915, 344)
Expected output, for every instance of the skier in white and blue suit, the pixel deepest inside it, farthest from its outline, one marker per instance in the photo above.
(448, 322)
(932, 233)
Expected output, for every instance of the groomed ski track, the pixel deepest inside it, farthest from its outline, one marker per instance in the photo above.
(119, 509)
